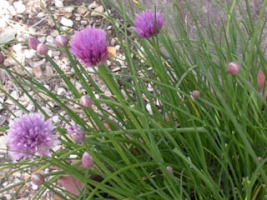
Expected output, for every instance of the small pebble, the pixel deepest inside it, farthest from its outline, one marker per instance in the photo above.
(59, 3)
(93, 5)
(98, 11)
(15, 95)
(50, 39)
(66, 22)
(61, 91)
(19, 6)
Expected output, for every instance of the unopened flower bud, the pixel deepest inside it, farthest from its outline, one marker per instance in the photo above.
(37, 179)
(87, 161)
(61, 41)
(2, 58)
(76, 133)
(169, 169)
(86, 101)
(233, 68)
(260, 159)
(33, 43)
(42, 49)
(195, 94)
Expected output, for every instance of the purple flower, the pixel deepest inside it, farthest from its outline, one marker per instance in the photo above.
(76, 133)
(30, 135)
(90, 46)
(148, 24)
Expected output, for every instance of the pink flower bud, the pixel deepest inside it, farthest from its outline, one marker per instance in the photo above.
(42, 49)
(233, 68)
(2, 58)
(76, 133)
(37, 179)
(61, 41)
(86, 101)
(195, 94)
(261, 80)
(169, 169)
(87, 161)
(33, 43)
(260, 159)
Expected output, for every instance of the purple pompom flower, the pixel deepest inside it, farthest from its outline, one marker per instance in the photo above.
(148, 24)
(30, 135)
(76, 133)
(90, 46)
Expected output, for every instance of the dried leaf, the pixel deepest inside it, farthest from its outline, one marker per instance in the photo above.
(71, 184)
(7, 36)
(112, 51)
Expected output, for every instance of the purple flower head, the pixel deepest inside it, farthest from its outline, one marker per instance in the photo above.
(90, 46)
(76, 133)
(148, 24)
(30, 135)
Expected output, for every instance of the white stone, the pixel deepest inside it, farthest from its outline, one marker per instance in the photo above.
(28, 69)
(23, 101)
(84, 22)
(48, 111)
(56, 53)
(51, 104)
(59, 3)
(18, 113)
(93, 5)
(42, 39)
(61, 91)
(37, 63)
(19, 6)
(78, 18)
(149, 109)
(47, 87)
(31, 107)
(15, 95)
(98, 11)
(82, 10)
(12, 10)
(17, 48)
(69, 9)
(40, 15)
(29, 53)
(50, 39)
(66, 22)
(112, 42)
(117, 47)
(55, 119)
(50, 52)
